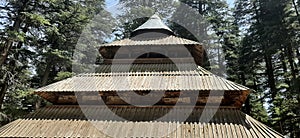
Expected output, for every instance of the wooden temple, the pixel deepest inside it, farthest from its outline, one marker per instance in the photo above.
(192, 102)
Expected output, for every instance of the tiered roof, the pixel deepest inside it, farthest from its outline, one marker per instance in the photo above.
(82, 121)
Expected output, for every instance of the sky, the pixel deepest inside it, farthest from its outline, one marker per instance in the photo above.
(112, 3)
(230, 2)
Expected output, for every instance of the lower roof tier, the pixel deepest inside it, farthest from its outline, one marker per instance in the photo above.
(197, 79)
(72, 121)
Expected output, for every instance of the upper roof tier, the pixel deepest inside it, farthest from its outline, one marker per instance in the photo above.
(153, 23)
(165, 41)
(153, 32)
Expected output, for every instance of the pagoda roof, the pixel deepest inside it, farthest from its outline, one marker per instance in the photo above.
(164, 41)
(197, 79)
(69, 121)
(154, 22)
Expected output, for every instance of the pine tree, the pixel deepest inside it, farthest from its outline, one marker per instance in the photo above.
(269, 52)
(38, 39)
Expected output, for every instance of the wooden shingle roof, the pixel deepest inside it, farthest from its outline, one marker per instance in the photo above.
(69, 121)
(198, 80)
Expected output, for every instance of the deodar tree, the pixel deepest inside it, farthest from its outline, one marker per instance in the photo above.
(38, 38)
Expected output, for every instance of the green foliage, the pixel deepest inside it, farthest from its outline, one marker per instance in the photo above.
(63, 75)
(37, 43)
(36, 19)
(267, 58)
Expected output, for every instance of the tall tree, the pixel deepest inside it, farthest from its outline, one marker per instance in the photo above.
(213, 29)
(38, 39)
(19, 19)
(56, 48)
(269, 49)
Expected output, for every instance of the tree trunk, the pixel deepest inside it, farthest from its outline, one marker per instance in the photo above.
(38, 103)
(248, 105)
(43, 83)
(247, 102)
(46, 75)
(200, 8)
(285, 69)
(5, 52)
(3, 87)
(290, 56)
(268, 59)
(296, 10)
(270, 74)
(298, 56)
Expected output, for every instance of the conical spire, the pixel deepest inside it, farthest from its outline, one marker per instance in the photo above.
(154, 22)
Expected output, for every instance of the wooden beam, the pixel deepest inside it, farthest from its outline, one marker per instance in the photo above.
(149, 60)
(235, 99)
